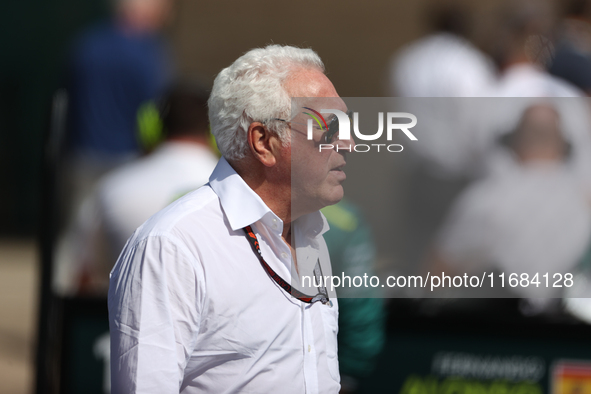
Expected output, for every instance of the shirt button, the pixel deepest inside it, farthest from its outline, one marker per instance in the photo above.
(284, 255)
(309, 348)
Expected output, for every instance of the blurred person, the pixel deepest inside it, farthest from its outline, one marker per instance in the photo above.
(458, 142)
(572, 57)
(205, 295)
(523, 52)
(362, 326)
(114, 68)
(530, 217)
(444, 63)
(130, 194)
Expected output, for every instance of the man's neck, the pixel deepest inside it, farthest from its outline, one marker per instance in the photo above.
(279, 202)
(278, 199)
(286, 235)
(275, 194)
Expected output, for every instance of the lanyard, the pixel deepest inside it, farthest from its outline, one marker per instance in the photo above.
(322, 296)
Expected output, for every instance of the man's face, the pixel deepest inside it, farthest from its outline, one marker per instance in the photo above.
(316, 176)
(146, 15)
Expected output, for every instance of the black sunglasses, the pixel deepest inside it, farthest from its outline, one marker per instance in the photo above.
(333, 127)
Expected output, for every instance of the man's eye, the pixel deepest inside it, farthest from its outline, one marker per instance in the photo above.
(333, 130)
(331, 136)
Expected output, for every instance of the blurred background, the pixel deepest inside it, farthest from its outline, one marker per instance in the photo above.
(88, 88)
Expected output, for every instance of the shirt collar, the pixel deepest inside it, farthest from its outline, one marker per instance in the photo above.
(244, 207)
(313, 224)
(241, 204)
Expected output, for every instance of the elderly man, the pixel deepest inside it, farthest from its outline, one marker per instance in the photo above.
(205, 298)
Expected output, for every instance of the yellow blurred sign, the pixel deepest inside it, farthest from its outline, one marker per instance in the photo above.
(571, 377)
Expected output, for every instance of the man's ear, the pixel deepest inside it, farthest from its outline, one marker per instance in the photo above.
(261, 143)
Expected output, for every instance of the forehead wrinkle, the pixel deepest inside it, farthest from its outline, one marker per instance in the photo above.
(313, 85)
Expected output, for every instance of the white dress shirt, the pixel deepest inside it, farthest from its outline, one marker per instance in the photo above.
(191, 309)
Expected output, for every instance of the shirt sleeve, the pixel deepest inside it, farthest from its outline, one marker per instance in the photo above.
(155, 299)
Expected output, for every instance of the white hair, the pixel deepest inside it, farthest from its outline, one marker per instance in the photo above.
(251, 90)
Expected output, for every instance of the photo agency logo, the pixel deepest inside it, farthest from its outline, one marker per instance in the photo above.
(339, 128)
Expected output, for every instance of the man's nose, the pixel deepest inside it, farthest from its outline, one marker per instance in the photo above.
(348, 143)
